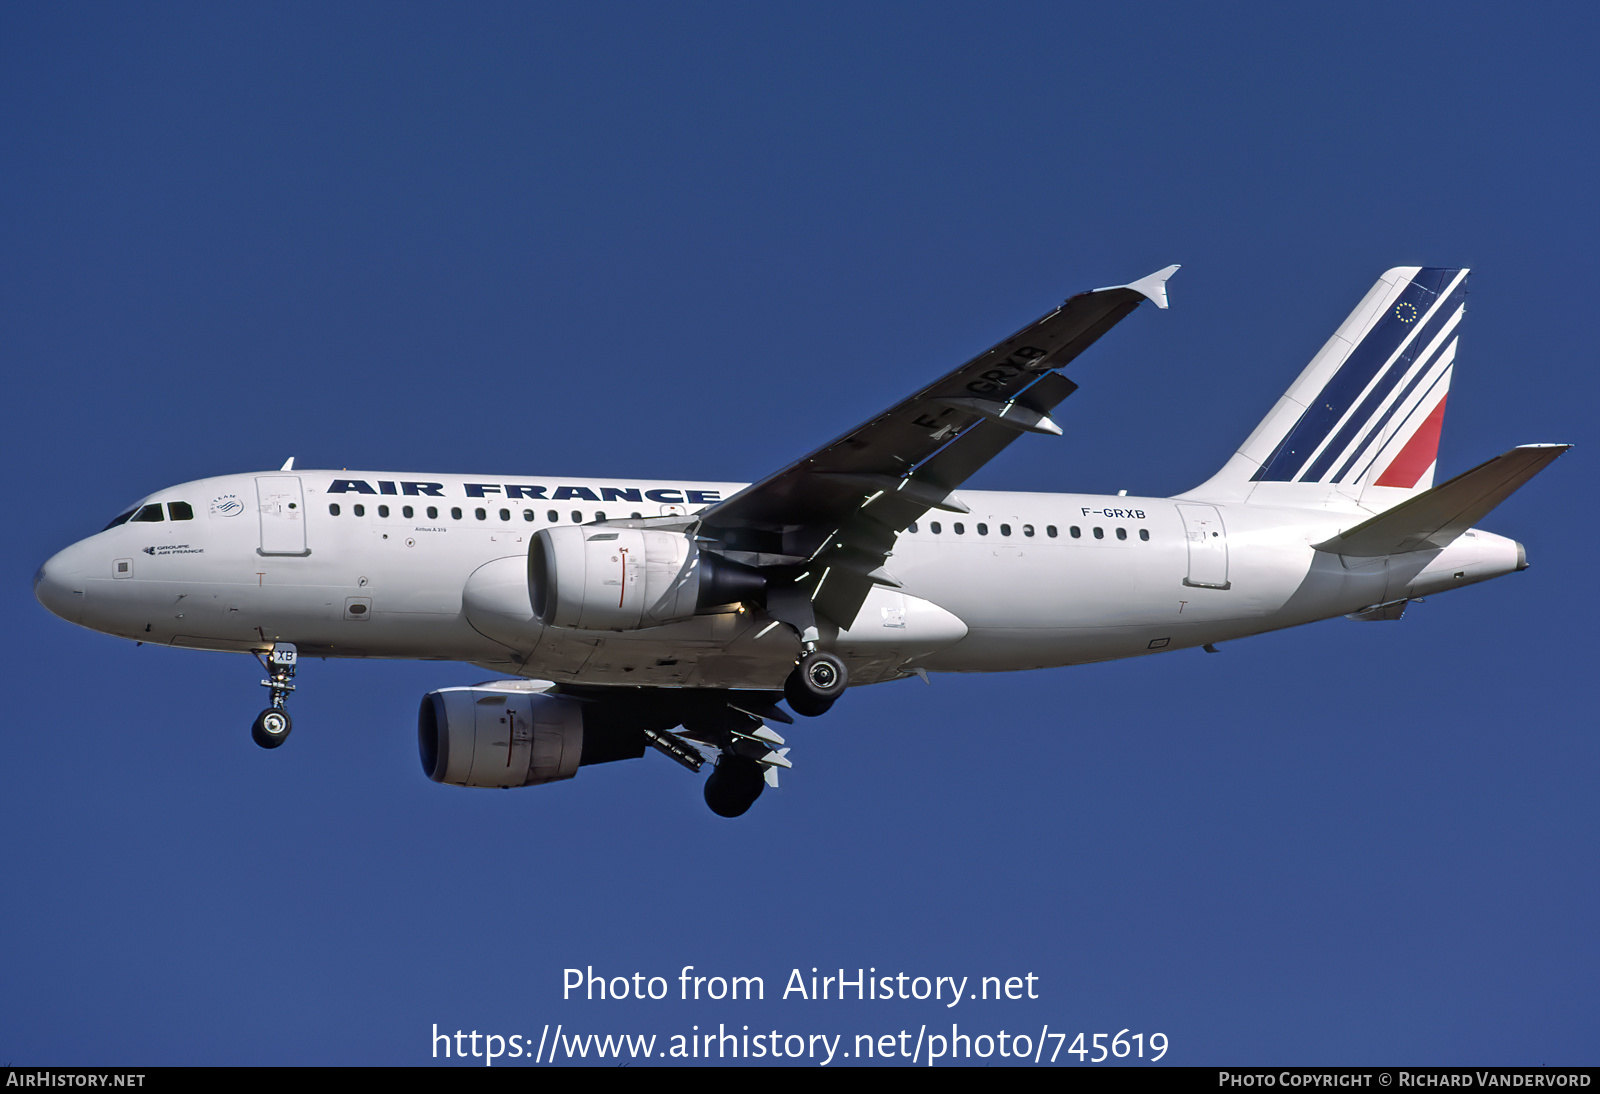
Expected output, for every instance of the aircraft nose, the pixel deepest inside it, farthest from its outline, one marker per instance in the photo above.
(60, 586)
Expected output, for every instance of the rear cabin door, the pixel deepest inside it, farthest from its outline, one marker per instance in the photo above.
(1208, 546)
(283, 515)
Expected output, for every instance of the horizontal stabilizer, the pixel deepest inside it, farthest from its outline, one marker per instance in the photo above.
(1434, 518)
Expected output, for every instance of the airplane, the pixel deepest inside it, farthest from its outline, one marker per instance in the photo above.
(634, 614)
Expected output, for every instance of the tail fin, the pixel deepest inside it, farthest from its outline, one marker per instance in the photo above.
(1360, 427)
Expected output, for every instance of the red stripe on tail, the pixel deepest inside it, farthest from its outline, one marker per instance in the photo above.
(1418, 454)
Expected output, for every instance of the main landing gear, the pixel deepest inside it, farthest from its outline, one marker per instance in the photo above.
(272, 726)
(734, 784)
(748, 764)
(750, 753)
(817, 680)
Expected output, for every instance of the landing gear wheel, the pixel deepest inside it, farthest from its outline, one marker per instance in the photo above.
(272, 727)
(815, 683)
(734, 785)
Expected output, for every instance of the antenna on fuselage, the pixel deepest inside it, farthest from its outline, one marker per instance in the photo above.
(288, 464)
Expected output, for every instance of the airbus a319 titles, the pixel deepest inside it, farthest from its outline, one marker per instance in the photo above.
(680, 616)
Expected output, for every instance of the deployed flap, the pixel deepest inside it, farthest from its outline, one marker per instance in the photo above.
(841, 507)
(1436, 517)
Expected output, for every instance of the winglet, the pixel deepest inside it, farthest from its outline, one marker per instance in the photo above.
(1152, 288)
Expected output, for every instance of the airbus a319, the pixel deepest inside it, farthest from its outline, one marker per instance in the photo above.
(626, 615)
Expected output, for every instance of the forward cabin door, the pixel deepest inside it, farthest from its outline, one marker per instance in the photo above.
(283, 515)
(1208, 546)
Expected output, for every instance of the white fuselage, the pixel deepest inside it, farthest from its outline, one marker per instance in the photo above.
(1029, 581)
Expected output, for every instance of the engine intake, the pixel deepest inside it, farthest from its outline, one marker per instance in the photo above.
(621, 579)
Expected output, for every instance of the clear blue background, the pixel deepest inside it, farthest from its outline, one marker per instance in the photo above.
(696, 240)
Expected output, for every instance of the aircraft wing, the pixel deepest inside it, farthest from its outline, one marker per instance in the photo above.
(832, 517)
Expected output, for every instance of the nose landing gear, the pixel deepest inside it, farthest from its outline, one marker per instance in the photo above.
(272, 726)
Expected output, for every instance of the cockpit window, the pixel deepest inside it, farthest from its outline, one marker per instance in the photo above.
(180, 510)
(122, 519)
(149, 512)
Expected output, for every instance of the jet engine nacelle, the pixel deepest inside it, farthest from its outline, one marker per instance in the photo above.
(595, 578)
(499, 736)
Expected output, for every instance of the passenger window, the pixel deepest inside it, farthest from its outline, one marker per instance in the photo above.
(577, 517)
(1005, 529)
(1050, 530)
(1122, 533)
(505, 514)
(554, 516)
(1144, 534)
(961, 529)
(179, 510)
(407, 511)
(148, 513)
(480, 514)
(636, 516)
(1075, 531)
(383, 510)
(359, 510)
(433, 512)
(333, 510)
(983, 529)
(912, 527)
(1099, 533)
(934, 527)
(1027, 529)
(527, 515)
(455, 512)
(599, 516)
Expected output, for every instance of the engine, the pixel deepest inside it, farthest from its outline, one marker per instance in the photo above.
(514, 733)
(621, 579)
(500, 736)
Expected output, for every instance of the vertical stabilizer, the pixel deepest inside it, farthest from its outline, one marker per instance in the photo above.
(1359, 428)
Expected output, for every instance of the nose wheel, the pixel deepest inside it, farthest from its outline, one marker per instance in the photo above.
(272, 726)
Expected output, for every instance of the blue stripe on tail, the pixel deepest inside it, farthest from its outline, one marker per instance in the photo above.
(1364, 363)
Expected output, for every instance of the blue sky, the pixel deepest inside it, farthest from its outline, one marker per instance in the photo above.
(697, 240)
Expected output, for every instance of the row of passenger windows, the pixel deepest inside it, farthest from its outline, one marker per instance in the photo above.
(182, 510)
(408, 512)
(177, 510)
(1050, 530)
(529, 516)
